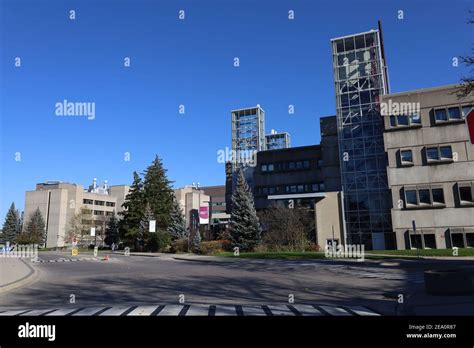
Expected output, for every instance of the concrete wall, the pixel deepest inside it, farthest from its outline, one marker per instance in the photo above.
(437, 220)
(328, 214)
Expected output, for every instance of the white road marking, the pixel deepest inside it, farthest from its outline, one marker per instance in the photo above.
(11, 313)
(336, 311)
(115, 311)
(280, 310)
(88, 311)
(307, 310)
(63, 311)
(363, 311)
(198, 311)
(225, 310)
(38, 312)
(253, 310)
(171, 310)
(143, 310)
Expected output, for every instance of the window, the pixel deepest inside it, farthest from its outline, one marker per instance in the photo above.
(271, 190)
(393, 121)
(110, 204)
(446, 152)
(87, 201)
(443, 153)
(99, 202)
(440, 115)
(98, 212)
(109, 213)
(299, 165)
(314, 187)
(320, 163)
(406, 157)
(432, 154)
(292, 165)
(438, 196)
(264, 168)
(265, 190)
(454, 113)
(270, 167)
(306, 164)
(410, 197)
(465, 110)
(424, 196)
(430, 241)
(403, 120)
(300, 188)
(465, 194)
(415, 119)
(321, 186)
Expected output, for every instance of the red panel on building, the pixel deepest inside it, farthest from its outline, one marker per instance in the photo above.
(470, 125)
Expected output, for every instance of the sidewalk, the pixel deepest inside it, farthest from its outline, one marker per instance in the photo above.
(14, 272)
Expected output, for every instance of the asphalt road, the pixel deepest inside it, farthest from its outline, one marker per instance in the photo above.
(139, 280)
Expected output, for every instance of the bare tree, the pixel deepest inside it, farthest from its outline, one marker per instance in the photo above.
(467, 83)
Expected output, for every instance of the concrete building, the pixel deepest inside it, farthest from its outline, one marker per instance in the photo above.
(277, 140)
(430, 167)
(219, 219)
(193, 198)
(306, 177)
(360, 76)
(59, 202)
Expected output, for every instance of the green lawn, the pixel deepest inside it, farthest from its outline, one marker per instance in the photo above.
(370, 254)
(424, 252)
(282, 255)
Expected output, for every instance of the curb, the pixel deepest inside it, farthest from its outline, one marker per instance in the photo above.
(29, 278)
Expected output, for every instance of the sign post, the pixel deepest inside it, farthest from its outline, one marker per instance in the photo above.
(152, 226)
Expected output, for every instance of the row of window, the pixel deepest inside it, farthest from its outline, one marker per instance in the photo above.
(90, 201)
(102, 213)
(297, 188)
(434, 154)
(434, 196)
(442, 115)
(285, 166)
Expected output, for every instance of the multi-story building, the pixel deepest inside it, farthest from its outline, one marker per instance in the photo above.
(219, 219)
(59, 202)
(303, 177)
(430, 168)
(248, 132)
(192, 198)
(277, 140)
(360, 77)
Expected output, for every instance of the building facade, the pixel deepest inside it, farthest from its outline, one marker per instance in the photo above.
(277, 140)
(306, 177)
(430, 168)
(59, 202)
(360, 77)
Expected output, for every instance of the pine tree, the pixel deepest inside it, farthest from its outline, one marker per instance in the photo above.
(11, 226)
(134, 207)
(177, 227)
(244, 223)
(36, 228)
(112, 231)
(158, 193)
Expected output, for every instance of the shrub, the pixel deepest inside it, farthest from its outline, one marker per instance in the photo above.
(215, 247)
(158, 241)
(179, 246)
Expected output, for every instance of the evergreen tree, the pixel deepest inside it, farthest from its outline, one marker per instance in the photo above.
(158, 193)
(245, 227)
(112, 231)
(11, 226)
(132, 214)
(36, 228)
(177, 226)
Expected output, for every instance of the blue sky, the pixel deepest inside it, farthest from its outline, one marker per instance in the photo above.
(189, 62)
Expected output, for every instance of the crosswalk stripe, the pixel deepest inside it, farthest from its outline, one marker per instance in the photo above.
(198, 311)
(12, 313)
(171, 310)
(359, 310)
(307, 310)
(338, 311)
(280, 310)
(143, 310)
(253, 311)
(114, 311)
(225, 310)
(89, 311)
(38, 312)
(62, 312)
